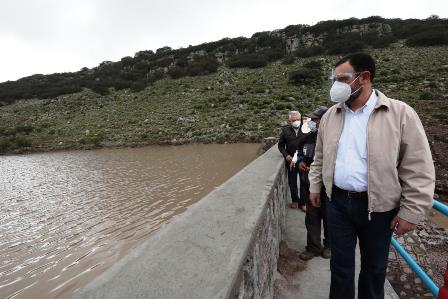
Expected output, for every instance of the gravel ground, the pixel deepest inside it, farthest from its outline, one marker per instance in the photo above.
(435, 240)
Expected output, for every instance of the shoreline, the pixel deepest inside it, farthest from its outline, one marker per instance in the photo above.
(42, 150)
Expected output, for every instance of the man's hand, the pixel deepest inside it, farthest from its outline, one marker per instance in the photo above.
(401, 226)
(292, 165)
(288, 158)
(315, 199)
(303, 167)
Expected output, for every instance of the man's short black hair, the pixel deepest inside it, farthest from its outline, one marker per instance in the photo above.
(360, 62)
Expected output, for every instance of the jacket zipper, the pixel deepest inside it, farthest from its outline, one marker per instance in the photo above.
(369, 206)
(337, 145)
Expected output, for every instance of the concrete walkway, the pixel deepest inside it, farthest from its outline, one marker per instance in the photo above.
(314, 281)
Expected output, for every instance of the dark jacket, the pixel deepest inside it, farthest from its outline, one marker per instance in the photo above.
(289, 142)
(306, 149)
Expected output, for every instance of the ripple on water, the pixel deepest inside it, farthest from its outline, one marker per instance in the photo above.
(67, 216)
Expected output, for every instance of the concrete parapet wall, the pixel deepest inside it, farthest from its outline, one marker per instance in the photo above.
(224, 246)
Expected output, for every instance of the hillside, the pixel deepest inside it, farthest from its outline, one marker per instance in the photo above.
(232, 104)
(145, 67)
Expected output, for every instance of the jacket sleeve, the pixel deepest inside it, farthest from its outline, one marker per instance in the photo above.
(282, 144)
(315, 174)
(300, 156)
(415, 170)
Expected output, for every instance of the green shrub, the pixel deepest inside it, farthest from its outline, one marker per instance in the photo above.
(383, 41)
(344, 46)
(202, 65)
(248, 60)
(176, 72)
(288, 60)
(304, 75)
(93, 140)
(308, 52)
(138, 85)
(429, 96)
(14, 142)
(313, 64)
(273, 54)
(428, 38)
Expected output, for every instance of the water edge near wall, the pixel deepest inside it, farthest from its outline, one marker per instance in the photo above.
(67, 216)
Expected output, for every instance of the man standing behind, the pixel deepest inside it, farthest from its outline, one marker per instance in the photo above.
(373, 158)
(315, 216)
(288, 143)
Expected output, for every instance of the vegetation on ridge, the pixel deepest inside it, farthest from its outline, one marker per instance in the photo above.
(227, 106)
(230, 105)
(146, 67)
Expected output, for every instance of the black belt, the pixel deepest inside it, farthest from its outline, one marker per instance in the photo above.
(351, 194)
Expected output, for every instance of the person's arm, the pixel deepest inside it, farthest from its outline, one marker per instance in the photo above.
(315, 175)
(415, 171)
(282, 144)
(300, 156)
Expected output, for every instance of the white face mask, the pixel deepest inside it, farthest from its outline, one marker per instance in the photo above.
(340, 92)
(296, 124)
(312, 125)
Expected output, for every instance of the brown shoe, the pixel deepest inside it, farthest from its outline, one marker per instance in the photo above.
(294, 205)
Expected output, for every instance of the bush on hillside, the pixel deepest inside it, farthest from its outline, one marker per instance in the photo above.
(305, 75)
(430, 96)
(288, 60)
(248, 60)
(384, 41)
(428, 38)
(202, 65)
(138, 85)
(272, 54)
(313, 64)
(308, 52)
(176, 72)
(14, 142)
(343, 46)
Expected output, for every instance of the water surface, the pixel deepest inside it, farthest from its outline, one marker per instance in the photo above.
(67, 216)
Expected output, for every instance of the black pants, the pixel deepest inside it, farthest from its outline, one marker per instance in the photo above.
(292, 182)
(347, 221)
(314, 217)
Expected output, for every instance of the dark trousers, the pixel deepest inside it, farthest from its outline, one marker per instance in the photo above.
(292, 182)
(348, 220)
(314, 217)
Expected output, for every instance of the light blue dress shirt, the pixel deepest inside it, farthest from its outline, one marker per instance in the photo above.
(351, 161)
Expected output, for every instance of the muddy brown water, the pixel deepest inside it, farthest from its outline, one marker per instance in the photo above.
(67, 216)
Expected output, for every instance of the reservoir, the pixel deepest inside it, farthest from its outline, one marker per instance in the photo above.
(67, 216)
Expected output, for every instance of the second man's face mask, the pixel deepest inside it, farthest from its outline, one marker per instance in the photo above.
(296, 124)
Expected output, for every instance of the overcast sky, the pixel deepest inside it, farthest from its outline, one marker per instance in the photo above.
(47, 36)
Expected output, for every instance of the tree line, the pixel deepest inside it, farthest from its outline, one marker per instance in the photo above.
(145, 67)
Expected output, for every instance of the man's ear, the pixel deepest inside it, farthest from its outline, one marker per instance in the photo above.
(365, 77)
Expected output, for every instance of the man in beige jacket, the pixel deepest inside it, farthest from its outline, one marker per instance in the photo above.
(373, 158)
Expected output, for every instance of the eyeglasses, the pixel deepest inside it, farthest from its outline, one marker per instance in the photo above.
(343, 77)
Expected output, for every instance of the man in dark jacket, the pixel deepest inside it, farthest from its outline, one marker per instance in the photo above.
(314, 215)
(290, 139)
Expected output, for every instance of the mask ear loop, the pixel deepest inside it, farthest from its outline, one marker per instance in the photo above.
(353, 82)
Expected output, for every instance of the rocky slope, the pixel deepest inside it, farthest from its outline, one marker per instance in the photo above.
(228, 106)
